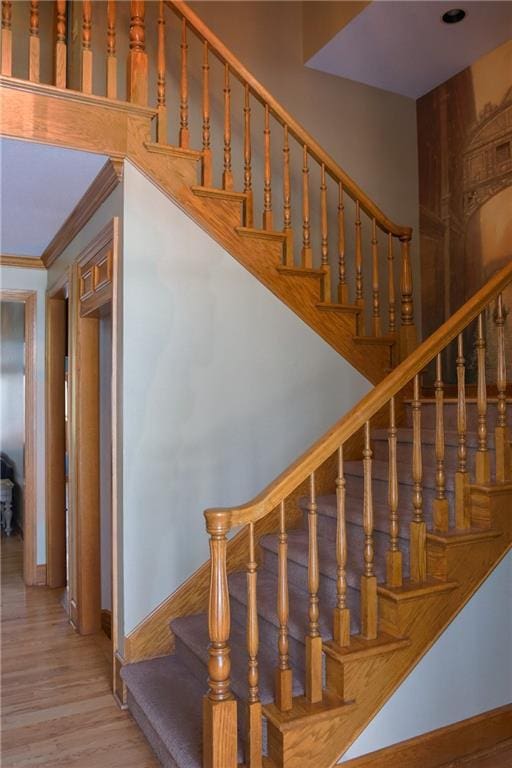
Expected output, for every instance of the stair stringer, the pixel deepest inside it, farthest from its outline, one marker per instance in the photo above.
(418, 614)
(175, 172)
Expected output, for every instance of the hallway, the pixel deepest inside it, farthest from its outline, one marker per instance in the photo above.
(57, 708)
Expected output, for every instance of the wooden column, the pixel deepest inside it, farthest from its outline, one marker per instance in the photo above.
(359, 271)
(368, 579)
(342, 272)
(60, 45)
(313, 685)
(287, 208)
(324, 245)
(137, 73)
(341, 617)
(307, 251)
(219, 706)
(6, 38)
(161, 126)
(184, 132)
(283, 677)
(461, 476)
(502, 432)
(206, 178)
(34, 45)
(393, 555)
(391, 287)
(111, 50)
(376, 323)
(418, 528)
(254, 736)
(267, 174)
(408, 337)
(249, 215)
(227, 176)
(482, 466)
(440, 505)
(86, 57)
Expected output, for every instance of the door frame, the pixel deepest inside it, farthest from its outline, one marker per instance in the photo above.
(32, 574)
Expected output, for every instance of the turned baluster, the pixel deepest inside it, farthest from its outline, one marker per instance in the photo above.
(391, 287)
(394, 554)
(440, 506)
(287, 208)
(359, 271)
(408, 341)
(324, 245)
(249, 215)
(267, 186)
(206, 177)
(283, 677)
(254, 742)
(60, 44)
(34, 46)
(418, 537)
(137, 79)
(502, 433)
(219, 706)
(341, 617)
(111, 50)
(161, 126)
(313, 686)
(86, 57)
(461, 475)
(368, 579)
(482, 465)
(307, 251)
(184, 131)
(227, 176)
(6, 38)
(376, 324)
(342, 272)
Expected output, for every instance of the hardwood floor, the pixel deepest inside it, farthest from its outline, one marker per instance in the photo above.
(57, 706)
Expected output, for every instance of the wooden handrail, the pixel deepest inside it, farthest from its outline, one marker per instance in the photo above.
(363, 411)
(294, 128)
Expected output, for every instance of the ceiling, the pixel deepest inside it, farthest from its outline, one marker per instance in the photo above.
(404, 47)
(39, 187)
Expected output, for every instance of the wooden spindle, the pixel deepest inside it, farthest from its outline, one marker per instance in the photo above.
(324, 245)
(206, 178)
(137, 78)
(219, 706)
(60, 44)
(34, 46)
(341, 617)
(111, 50)
(307, 251)
(342, 271)
(184, 130)
(267, 185)
(376, 323)
(254, 735)
(394, 554)
(287, 207)
(368, 579)
(359, 271)
(283, 677)
(313, 686)
(440, 505)
(418, 537)
(408, 340)
(86, 54)
(249, 213)
(482, 464)
(502, 432)
(461, 475)
(161, 126)
(6, 38)
(227, 176)
(391, 287)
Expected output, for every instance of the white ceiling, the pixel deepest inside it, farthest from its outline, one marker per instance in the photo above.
(39, 187)
(404, 47)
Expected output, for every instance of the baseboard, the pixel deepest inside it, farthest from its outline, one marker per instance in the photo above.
(120, 692)
(106, 623)
(40, 576)
(436, 748)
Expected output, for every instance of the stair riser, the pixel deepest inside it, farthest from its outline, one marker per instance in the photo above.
(428, 416)
(153, 738)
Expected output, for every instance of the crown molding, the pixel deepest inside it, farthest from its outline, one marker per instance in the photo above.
(27, 262)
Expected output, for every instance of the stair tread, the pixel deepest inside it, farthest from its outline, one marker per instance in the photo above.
(428, 436)
(266, 234)
(380, 472)
(301, 271)
(343, 308)
(225, 194)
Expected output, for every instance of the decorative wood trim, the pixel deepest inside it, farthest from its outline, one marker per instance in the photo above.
(102, 186)
(106, 622)
(28, 262)
(436, 748)
(40, 577)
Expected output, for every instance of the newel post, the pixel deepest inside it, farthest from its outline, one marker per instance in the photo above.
(219, 706)
(408, 335)
(137, 73)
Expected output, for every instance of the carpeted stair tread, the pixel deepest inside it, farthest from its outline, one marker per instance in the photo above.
(192, 631)
(171, 700)
(428, 437)
(380, 473)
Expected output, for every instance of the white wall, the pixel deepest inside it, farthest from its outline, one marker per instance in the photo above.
(223, 387)
(35, 280)
(466, 672)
